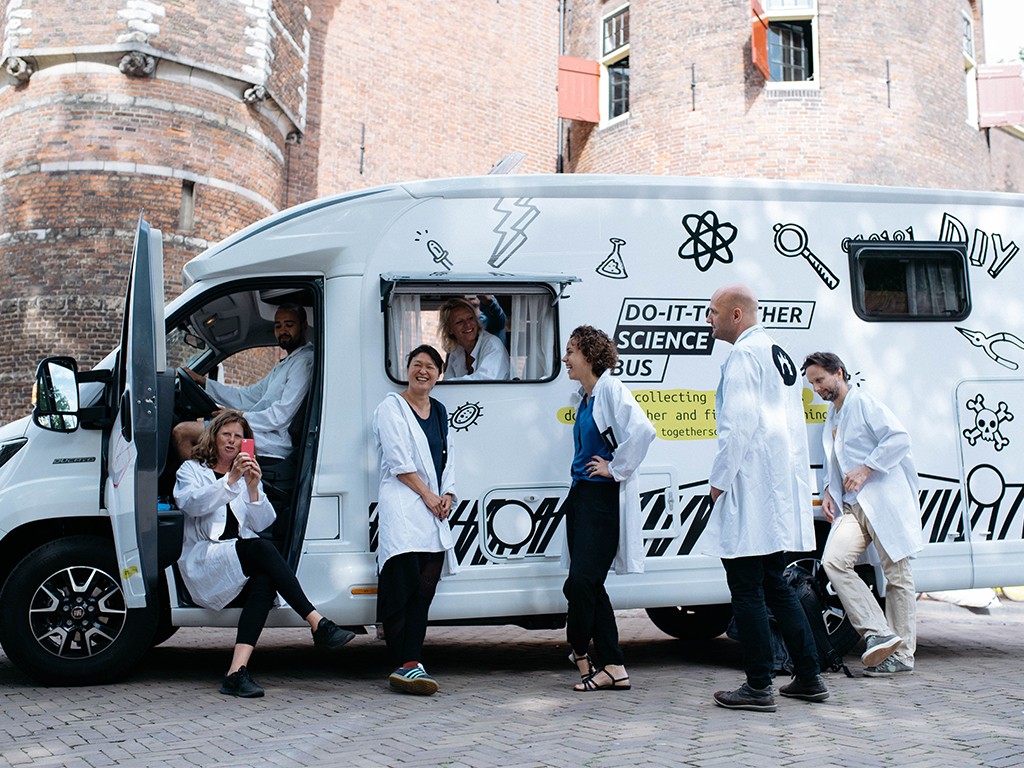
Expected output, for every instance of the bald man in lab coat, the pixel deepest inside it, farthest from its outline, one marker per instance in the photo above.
(760, 488)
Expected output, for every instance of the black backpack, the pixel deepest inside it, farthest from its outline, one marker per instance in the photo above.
(834, 636)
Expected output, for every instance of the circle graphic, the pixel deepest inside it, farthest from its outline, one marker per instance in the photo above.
(512, 524)
(985, 485)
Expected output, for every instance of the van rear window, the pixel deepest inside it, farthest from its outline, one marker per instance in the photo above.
(517, 331)
(909, 281)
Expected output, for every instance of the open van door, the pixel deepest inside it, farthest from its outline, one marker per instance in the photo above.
(136, 450)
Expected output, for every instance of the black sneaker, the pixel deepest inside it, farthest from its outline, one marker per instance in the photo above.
(413, 680)
(329, 635)
(746, 697)
(241, 684)
(811, 689)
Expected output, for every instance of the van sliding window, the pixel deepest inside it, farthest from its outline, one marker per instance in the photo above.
(909, 281)
(523, 318)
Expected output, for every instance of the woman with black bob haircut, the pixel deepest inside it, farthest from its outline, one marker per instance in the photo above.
(415, 497)
(611, 435)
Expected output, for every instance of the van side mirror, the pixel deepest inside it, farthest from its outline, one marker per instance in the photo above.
(55, 395)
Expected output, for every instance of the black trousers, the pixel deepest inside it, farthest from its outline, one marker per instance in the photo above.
(269, 575)
(592, 531)
(405, 590)
(756, 584)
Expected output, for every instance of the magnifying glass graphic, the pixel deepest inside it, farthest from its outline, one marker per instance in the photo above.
(791, 241)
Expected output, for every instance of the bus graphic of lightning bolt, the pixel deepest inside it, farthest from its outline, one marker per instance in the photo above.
(512, 236)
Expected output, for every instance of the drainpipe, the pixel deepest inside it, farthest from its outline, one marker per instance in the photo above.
(560, 166)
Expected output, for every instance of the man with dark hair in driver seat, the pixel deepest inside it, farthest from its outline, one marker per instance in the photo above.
(270, 404)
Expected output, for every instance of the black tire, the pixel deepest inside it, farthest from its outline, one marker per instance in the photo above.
(164, 633)
(64, 616)
(692, 624)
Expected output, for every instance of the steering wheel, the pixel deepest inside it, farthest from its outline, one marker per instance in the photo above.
(190, 400)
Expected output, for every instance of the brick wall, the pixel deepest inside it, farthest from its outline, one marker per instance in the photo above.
(732, 125)
(441, 89)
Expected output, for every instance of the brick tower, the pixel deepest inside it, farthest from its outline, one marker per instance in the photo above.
(208, 116)
(115, 107)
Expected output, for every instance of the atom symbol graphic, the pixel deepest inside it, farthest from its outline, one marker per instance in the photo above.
(707, 240)
(465, 416)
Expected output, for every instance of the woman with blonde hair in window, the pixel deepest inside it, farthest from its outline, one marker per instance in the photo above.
(473, 353)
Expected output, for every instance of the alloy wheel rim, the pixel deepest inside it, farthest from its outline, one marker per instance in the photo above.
(77, 612)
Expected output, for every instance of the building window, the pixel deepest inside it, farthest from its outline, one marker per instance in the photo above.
(970, 70)
(187, 213)
(618, 88)
(909, 281)
(791, 40)
(968, 39)
(789, 51)
(615, 64)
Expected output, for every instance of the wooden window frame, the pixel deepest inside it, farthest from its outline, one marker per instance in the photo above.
(609, 59)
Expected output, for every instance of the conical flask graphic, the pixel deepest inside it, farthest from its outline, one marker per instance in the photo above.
(613, 266)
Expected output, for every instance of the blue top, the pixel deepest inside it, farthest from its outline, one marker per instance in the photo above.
(588, 443)
(435, 429)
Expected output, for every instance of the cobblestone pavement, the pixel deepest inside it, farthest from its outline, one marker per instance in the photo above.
(505, 701)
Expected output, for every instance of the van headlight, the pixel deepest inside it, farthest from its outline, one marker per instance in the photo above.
(11, 447)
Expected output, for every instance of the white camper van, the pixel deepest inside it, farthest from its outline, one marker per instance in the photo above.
(919, 291)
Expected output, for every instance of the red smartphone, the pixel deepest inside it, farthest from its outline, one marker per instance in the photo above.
(249, 446)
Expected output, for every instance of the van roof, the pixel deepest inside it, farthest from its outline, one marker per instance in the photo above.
(316, 228)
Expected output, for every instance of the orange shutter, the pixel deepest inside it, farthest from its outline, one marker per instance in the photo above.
(759, 39)
(578, 88)
(1000, 95)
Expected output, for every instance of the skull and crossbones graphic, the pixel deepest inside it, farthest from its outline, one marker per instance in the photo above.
(986, 423)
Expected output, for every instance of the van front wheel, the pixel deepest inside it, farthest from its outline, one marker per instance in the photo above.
(692, 624)
(65, 619)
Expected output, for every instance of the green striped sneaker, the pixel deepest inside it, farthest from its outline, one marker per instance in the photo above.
(413, 680)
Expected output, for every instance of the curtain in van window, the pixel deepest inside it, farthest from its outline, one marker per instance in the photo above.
(405, 333)
(932, 288)
(531, 337)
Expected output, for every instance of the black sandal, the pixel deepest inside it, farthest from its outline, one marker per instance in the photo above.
(589, 686)
(575, 661)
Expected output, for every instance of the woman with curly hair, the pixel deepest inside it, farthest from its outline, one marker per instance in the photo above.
(223, 556)
(473, 353)
(611, 435)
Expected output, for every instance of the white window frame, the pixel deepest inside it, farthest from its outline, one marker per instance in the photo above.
(795, 10)
(970, 71)
(533, 342)
(606, 60)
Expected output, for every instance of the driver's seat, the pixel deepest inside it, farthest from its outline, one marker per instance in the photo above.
(280, 478)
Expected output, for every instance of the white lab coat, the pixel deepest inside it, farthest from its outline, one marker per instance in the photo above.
(762, 462)
(270, 404)
(868, 433)
(209, 566)
(404, 524)
(617, 414)
(490, 361)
